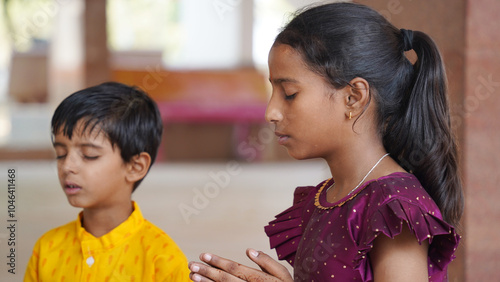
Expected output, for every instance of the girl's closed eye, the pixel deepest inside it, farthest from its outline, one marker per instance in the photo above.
(290, 90)
(291, 96)
(59, 157)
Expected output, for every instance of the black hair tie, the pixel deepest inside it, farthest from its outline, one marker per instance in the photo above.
(407, 39)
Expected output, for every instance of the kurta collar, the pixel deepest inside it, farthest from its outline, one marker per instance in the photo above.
(93, 246)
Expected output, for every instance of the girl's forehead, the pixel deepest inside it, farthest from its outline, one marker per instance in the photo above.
(283, 52)
(286, 65)
(285, 58)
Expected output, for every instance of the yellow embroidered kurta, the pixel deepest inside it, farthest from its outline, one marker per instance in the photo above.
(136, 250)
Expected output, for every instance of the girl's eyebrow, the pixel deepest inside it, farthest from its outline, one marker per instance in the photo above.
(282, 80)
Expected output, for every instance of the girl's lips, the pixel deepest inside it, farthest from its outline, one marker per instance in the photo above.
(282, 139)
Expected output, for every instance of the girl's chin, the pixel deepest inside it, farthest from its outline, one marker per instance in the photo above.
(298, 155)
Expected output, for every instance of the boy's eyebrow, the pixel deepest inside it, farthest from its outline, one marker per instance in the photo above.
(89, 145)
(58, 144)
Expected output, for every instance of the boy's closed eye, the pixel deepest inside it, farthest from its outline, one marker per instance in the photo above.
(60, 151)
(91, 151)
(60, 157)
(86, 151)
(87, 157)
(90, 157)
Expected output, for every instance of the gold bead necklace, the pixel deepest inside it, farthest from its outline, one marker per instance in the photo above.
(316, 198)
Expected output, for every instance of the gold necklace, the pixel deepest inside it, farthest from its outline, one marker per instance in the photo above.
(316, 198)
(318, 205)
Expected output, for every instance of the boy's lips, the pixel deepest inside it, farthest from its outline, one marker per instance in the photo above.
(71, 188)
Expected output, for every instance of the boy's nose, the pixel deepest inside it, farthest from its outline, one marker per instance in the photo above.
(70, 164)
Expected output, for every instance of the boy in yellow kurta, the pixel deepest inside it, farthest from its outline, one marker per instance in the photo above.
(106, 137)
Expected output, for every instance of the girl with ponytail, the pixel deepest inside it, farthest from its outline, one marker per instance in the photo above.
(344, 90)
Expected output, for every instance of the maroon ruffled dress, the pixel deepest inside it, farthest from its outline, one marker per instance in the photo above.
(333, 244)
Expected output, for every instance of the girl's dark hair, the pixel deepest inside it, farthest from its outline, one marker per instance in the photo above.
(128, 116)
(342, 41)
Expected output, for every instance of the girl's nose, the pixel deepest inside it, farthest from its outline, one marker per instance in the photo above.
(273, 111)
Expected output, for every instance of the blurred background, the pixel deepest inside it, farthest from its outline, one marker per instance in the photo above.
(205, 63)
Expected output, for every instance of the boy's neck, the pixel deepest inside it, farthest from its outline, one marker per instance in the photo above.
(100, 221)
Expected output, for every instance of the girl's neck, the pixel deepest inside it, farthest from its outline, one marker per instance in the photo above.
(100, 221)
(348, 168)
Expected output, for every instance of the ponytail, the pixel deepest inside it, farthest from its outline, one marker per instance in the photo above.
(420, 135)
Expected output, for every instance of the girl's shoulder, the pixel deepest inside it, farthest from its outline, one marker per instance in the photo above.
(398, 180)
(399, 199)
(287, 227)
(301, 196)
(303, 193)
(400, 186)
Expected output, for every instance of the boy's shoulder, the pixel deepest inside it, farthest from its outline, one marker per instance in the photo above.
(145, 232)
(152, 232)
(158, 242)
(59, 235)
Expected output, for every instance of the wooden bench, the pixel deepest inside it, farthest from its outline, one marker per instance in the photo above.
(237, 97)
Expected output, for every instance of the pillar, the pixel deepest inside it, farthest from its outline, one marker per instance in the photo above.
(78, 55)
(95, 43)
(481, 142)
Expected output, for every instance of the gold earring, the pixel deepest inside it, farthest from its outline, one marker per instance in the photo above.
(350, 115)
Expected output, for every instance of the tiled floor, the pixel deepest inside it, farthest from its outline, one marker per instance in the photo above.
(230, 219)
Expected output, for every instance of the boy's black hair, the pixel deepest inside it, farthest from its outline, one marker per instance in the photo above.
(127, 115)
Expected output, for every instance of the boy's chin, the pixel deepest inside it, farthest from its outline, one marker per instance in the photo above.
(75, 203)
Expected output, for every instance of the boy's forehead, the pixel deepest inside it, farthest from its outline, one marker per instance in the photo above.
(83, 129)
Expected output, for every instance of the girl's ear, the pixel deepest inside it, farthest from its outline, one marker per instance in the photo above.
(138, 167)
(358, 97)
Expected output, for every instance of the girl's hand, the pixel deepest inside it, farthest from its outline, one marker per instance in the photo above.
(221, 269)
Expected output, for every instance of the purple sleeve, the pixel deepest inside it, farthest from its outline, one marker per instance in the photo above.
(286, 230)
(422, 217)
